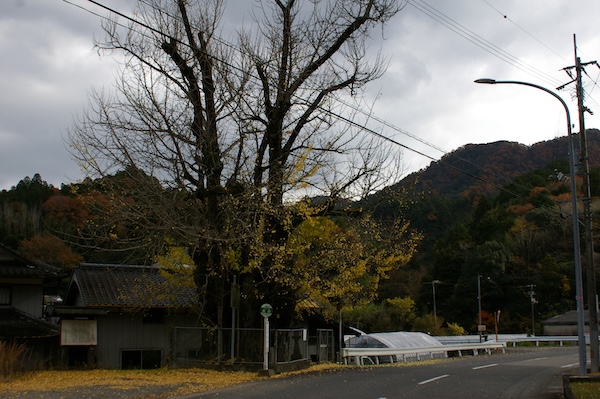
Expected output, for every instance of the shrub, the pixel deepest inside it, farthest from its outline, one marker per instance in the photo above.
(455, 329)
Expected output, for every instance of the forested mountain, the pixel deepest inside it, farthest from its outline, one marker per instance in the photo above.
(497, 210)
(476, 169)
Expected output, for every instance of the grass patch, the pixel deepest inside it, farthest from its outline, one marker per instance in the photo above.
(586, 390)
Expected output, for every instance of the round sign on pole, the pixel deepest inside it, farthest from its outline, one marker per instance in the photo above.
(266, 310)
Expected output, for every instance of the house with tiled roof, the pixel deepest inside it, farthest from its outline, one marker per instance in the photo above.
(23, 285)
(123, 316)
(565, 324)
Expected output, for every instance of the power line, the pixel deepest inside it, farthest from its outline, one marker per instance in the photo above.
(588, 95)
(506, 17)
(480, 42)
(331, 113)
(135, 21)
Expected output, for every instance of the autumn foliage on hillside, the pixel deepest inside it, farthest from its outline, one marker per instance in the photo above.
(509, 225)
(476, 169)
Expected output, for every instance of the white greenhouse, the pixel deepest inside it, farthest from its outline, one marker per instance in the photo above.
(396, 340)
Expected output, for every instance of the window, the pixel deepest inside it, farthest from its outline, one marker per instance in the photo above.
(5, 295)
(155, 316)
(141, 359)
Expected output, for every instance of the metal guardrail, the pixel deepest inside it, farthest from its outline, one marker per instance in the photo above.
(457, 344)
(512, 339)
(358, 356)
(537, 340)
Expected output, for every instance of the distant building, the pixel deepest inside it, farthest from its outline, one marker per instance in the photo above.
(564, 324)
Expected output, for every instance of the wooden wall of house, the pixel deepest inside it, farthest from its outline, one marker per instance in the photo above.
(28, 298)
(129, 331)
(562, 330)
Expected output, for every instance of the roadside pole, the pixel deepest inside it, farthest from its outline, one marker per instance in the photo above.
(266, 311)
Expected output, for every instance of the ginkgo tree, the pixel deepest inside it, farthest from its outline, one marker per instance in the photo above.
(235, 132)
(337, 264)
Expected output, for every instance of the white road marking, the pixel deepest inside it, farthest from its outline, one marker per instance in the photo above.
(433, 379)
(485, 367)
(536, 359)
(569, 365)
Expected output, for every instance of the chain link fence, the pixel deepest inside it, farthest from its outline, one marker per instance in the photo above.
(214, 346)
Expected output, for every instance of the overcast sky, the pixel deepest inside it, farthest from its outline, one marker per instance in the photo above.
(436, 48)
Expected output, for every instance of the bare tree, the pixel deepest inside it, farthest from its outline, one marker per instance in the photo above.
(217, 136)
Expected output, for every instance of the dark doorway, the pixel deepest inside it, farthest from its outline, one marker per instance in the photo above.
(78, 356)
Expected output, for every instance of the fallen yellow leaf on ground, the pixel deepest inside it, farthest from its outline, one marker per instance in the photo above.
(179, 381)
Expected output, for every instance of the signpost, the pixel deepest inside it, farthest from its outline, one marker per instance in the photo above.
(482, 328)
(266, 311)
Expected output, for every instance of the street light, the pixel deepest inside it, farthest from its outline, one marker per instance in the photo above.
(575, 219)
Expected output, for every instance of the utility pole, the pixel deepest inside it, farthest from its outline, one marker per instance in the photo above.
(433, 283)
(587, 202)
(533, 302)
(587, 209)
(479, 326)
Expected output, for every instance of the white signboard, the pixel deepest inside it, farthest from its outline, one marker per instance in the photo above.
(78, 332)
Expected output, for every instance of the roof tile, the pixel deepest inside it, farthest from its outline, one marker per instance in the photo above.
(17, 324)
(130, 286)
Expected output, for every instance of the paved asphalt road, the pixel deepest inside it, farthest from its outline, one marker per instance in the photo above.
(520, 373)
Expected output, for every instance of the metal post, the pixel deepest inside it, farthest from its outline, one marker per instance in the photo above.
(266, 310)
(266, 348)
(587, 212)
(433, 283)
(497, 322)
(532, 300)
(340, 335)
(577, 251)
(479, 306)
(220, 345)
(234, 303)
(575, 218)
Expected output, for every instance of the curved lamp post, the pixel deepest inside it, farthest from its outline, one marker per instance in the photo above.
(576, 243)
